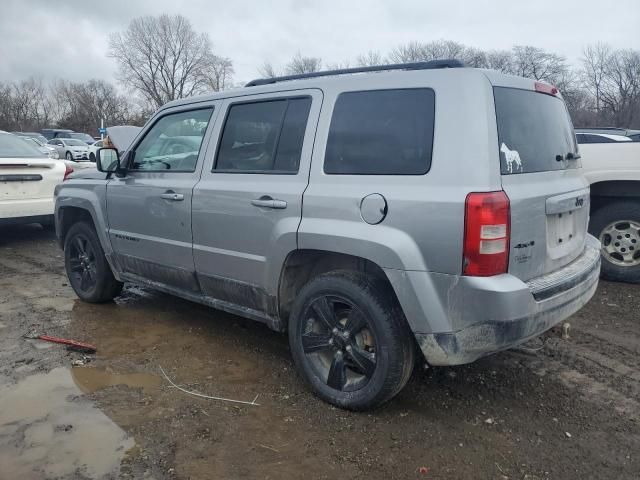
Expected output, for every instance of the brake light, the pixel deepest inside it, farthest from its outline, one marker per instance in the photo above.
(67, 171)
(545, 88)
(486, 234)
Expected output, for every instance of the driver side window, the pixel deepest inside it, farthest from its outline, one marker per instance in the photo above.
(173, 143)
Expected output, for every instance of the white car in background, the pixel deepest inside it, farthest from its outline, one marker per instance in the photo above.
(588, 137)
(27, 182)
(71, 149)
(93, 148)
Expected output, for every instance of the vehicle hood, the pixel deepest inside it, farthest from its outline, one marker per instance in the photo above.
(122, 136)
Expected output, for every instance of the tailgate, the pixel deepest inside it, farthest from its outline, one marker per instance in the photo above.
(549, 197)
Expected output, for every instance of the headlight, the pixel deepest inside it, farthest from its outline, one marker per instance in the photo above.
(54, 155)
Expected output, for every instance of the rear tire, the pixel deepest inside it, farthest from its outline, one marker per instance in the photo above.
(617, 226)
(92, 157)
(350, 340)
(87, 268)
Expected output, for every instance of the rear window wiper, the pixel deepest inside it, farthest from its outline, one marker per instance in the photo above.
(568, 156)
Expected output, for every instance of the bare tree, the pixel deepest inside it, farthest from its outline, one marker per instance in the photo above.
(370, 59)
(221, 74)
(595, 61)
(267, 70)
(83, 105)
(620, 89)
(500, 60)
(407, 53)
(163, 58)
(300, 64)
(536, 63)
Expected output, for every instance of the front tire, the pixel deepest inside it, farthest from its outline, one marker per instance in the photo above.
(69, 157)
(87, 268)
(92, 157)
(350, 340)
(617, 226)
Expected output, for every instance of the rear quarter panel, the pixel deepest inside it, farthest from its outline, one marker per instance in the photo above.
(423, 229)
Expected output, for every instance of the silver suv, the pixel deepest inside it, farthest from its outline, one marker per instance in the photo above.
(372, 213)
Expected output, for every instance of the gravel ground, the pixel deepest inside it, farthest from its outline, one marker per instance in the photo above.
(558, 409)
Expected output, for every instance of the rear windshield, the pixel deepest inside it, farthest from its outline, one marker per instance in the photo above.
(12, 146)
(534, 129)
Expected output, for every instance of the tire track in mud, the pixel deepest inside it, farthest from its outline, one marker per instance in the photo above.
(603, 372)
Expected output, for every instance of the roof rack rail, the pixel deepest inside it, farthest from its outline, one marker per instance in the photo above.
(432, 64)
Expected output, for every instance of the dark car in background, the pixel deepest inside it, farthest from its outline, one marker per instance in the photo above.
(50, 133)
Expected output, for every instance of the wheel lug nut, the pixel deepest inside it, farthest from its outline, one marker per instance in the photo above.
(349, 348)
(331, 341)
(335, 330)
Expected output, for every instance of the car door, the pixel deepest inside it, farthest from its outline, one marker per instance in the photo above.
(248, 203)
(149, 208)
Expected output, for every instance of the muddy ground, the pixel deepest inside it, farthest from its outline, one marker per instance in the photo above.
(560, 409)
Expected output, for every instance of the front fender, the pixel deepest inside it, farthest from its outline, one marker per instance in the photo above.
(89, 196)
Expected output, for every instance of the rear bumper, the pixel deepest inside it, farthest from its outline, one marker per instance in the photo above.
(490, 314)
(13, 210)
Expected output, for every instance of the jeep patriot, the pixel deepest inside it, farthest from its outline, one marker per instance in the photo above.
(375, 214)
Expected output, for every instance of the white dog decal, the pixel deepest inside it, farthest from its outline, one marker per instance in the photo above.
(511, 157)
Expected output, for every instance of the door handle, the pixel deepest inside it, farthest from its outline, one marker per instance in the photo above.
(174, 197)
(268, 202)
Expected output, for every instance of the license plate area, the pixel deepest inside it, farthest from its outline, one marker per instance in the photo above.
(564, 233)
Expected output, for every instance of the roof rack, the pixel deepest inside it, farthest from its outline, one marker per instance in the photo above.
(430, 65)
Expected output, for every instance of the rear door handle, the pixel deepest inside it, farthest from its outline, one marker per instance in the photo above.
(174, 197)
(268, 202)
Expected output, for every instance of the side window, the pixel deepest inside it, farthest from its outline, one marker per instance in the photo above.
(381, 132)
(264, 136)
(173, 142)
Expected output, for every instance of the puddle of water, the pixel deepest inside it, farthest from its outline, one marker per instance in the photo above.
(48, 429)
(90, 379)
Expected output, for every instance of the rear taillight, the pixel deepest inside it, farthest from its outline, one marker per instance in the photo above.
(67, 171)
(486, 234)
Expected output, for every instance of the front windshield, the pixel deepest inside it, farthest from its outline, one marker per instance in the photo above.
(15, 147)
(74, 143)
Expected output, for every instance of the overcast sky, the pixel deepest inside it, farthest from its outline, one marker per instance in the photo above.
(68, 39)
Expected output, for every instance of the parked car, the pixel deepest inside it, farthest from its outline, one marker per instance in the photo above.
(625, 132)
(50, 133)
(613, 170)
(93, 148)
(83, 137)
(44, 148)
(600, 138)
(41, 138)
(411, 235)
(71, 149)
(27, 181)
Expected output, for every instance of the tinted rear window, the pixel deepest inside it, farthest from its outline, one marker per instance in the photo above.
(16, 147)
(533, 129)
(381, 132)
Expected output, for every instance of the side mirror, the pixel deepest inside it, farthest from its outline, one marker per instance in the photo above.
(107, 160)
